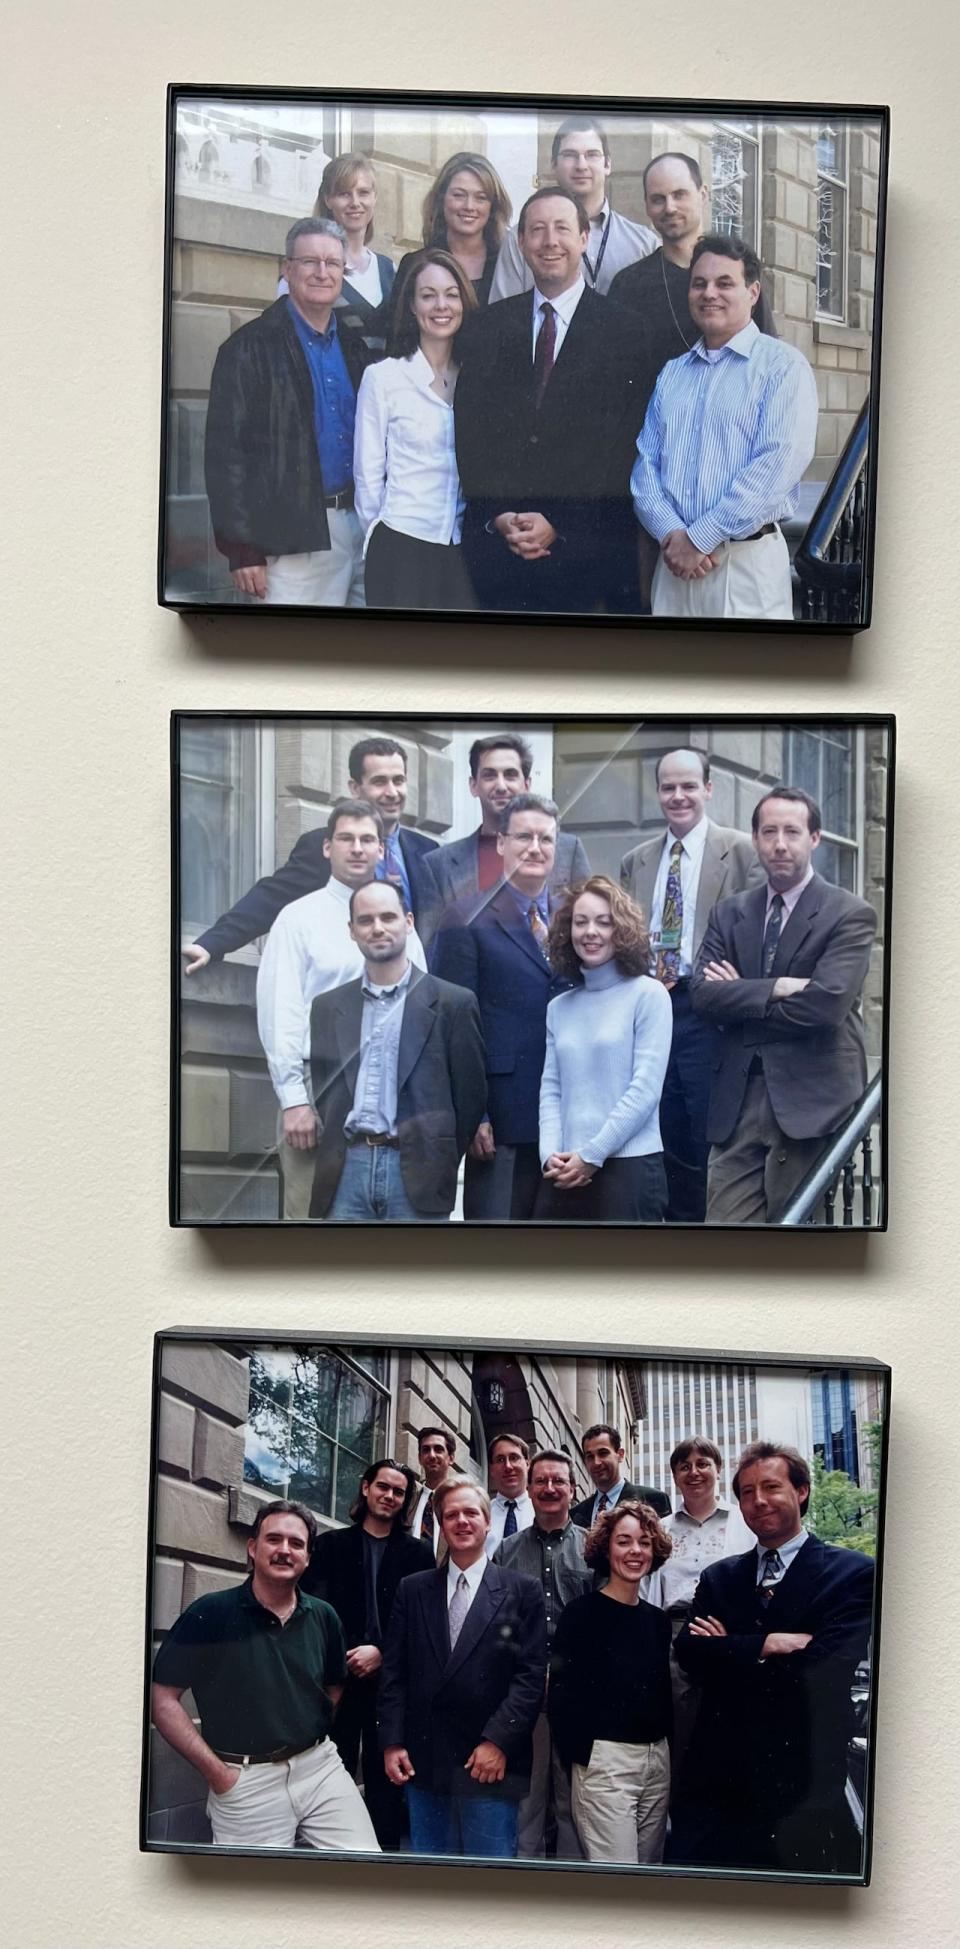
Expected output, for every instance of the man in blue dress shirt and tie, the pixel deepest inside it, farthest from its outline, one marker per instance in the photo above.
(279, 442)
(728, 436)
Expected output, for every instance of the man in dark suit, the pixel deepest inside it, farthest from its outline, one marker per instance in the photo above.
(677, 876)
(501, 766)
(498, 951)
(279, 437)
(604, 1455)
(774, 1640)
(464, 1671)
(398, 1077)
(377, 769)
(547, 413)
(780, 972)
(357, 1570)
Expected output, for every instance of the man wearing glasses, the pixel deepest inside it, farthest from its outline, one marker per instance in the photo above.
(580, 155)
(357, 1570)
(279, 444)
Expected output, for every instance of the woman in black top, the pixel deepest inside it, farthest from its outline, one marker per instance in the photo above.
(466, 211)
(609, 1699)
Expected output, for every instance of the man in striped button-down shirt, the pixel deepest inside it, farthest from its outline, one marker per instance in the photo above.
(728, 435)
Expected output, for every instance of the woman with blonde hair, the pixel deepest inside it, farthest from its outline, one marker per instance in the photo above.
(406, 485)
(466, 211)
(608, 1043)
(348, 195)
(609, 1696)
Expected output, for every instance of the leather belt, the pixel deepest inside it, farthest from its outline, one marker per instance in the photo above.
(266, 1759)
(377, 1139)
(342, 500)
(769, 528)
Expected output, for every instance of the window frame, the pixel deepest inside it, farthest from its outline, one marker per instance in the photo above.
(751, 134)
(839, 183)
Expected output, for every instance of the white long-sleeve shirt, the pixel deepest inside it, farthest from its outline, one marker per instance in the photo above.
(404, 461)
(308, 951)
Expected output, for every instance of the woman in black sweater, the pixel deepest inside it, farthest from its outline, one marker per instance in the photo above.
(609, 1699)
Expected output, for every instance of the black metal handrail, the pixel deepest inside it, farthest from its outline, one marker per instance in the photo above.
(829, 559)
(838, 1168)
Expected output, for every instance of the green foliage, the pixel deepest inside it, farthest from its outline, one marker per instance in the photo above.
(841, 1512)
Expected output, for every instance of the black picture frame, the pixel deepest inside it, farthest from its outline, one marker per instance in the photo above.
(231, 1182)
(181, 1563)
(831, 538)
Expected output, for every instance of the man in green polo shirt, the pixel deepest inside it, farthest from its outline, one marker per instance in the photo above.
(266, 1665)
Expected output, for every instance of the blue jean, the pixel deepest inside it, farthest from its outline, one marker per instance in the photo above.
(479, 1824)
(371, 1186)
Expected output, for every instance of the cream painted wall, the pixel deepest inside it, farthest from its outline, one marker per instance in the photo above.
(93, 668)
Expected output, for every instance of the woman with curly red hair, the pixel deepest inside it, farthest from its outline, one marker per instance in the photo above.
(608, 1043)
(609, 1697)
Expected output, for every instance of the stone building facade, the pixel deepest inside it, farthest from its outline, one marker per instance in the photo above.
(238, 1424)
(806, 195)
(286, 775)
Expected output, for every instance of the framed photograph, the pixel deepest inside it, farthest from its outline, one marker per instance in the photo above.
(542, 357)
(551, 971)
(593, 1608)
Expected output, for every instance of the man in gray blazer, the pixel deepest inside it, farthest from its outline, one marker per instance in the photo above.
(500, 769)
(677, 877)
(780, 973)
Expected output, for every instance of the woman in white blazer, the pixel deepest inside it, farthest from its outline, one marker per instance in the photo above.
(407, 489)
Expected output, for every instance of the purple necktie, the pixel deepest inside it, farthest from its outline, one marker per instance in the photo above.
(545, 353)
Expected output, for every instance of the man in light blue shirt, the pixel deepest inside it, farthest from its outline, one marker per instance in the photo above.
(729, 433)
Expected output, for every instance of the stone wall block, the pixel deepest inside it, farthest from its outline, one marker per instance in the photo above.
(195, 1521)
(749, 790)
(253, 1114)
(209, 1374)
(167, 1592)
(217, 276)
(779, 246)
(772, 753)
(796, 205)
(807, 254)
(314, 764)
(200, 1580)
(229, 1194)
(436, 792)
(196, 335)
(723, 804)
(837, 399)
(204, 1109)
(741, 748)
(175, 1433)
(217, 1451)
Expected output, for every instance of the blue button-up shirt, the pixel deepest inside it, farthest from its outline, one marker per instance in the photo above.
(727, 439)
(334, 400)
(375, 1098)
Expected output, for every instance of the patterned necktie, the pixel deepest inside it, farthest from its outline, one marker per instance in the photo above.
(510, 1521)
(771, 1571)
(771, 939)
(537, 928)
(544, 353)
(667, 969)
(602, 1502)
(427, 1524)
(459, 1606)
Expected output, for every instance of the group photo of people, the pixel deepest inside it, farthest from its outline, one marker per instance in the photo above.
(638, 1641)
(596, 364)
(564, 972)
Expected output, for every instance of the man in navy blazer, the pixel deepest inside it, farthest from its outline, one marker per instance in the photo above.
(377, 773)
(464, 1671)
(495, 945)
(780, 973)
(501, 766)
(774, 1639)
(547, 411)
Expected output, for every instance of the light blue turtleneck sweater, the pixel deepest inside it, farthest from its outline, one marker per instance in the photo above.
(607, 1048)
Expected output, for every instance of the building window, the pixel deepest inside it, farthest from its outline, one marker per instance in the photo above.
(734, 204)
(831, 222)
(314, 1422)
(218, 818)
(825, 764)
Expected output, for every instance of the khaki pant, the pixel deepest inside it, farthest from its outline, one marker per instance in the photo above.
(329, 577)
(752, 578)
(752, 1177)
(297, 1168)
(309, 1798)
(620, 1801)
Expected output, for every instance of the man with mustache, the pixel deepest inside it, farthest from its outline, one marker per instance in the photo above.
(266, 1665)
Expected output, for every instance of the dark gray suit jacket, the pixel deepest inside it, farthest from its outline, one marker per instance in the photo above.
(811, 1045)
(451, 875)
(441, 1087)
(729, 865)
(582, 1512)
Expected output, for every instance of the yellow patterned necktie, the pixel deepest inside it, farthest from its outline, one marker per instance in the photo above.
(671, 923)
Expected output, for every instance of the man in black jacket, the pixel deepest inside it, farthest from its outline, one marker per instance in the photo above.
(604, 1455)
(547, 413)
(357, 1570)
(377, 773)
(279, 441)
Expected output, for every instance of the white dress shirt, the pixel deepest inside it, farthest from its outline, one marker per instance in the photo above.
(564, 306)
(691, 863)
(404, 461)
(308, 951)
(498, 1516)
(474, 1576)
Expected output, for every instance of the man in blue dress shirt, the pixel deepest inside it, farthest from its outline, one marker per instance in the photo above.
(279, 443)
(729, 433)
